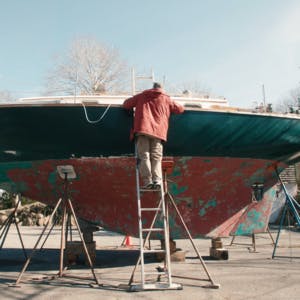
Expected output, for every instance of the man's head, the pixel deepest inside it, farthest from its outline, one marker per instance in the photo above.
(157, 85)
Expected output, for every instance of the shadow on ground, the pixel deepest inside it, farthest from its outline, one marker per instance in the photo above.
(48, 259)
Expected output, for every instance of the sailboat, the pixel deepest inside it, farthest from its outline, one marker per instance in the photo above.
(220, 153)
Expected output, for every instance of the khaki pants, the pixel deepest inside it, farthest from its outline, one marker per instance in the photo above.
(150, 152)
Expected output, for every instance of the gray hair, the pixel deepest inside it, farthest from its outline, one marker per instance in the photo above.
(157, 85)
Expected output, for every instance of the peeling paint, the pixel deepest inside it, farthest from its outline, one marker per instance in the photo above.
(200, 202)
(188, 200)
(185, 159)
(176, 172)
(211, 172)
(210, 203)
(254, 215)
(175, 190)
(4, 169)
(202, 212)
(105, 191)
(207, 160)
(52, 178)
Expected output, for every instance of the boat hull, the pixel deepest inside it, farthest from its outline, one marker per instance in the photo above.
(207, 190)
(218, 156)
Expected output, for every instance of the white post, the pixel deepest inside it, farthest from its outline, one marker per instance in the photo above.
(133, 81)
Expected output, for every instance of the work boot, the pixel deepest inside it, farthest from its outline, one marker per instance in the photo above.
(148, 186)
(156, 185)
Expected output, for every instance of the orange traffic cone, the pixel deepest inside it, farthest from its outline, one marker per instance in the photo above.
(127, 241)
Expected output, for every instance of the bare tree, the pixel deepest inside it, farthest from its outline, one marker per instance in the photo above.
(87, 68)
(290, 103)
(5, 96)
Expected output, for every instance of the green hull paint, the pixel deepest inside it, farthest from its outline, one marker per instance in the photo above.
(62, 131)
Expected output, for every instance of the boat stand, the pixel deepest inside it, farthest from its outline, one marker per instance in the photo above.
(257, 194)
(66, 173)
(291, 208)
(253, 244)
(167, 199)
(12, 220)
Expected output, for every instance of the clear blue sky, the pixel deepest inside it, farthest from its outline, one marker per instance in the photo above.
(231, 47)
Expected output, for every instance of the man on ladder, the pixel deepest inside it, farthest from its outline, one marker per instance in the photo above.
(151, 121)
(152, 111)
(153, 108)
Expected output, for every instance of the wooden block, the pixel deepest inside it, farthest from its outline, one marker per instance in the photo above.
(219, 253)
(178, 255)
(216, 244)
(75, 249)
(172, 245)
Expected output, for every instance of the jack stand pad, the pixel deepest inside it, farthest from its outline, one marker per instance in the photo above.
(158, 286)
(215, 286)
(219, 253)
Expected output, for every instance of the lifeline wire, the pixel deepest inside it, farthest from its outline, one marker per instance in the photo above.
(96, 121)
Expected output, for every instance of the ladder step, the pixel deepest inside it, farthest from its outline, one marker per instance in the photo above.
(149, 190)
(144, 190)
(150, 209)
(155, 273)
(154, 251)
(152, 229)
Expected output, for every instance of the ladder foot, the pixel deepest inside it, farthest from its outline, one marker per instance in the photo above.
(154, 287)
(213, 286)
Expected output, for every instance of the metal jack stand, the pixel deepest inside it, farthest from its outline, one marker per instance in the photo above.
(253, 244)
(289, 209)
(67, 173)
(7, 223)
(167, 167)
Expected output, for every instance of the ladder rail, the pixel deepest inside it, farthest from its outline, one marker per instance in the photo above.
(144, 243)
(134, 78)
(166, 236)
(138, 192)
(161, 208)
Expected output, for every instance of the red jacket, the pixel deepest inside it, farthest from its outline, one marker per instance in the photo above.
(152, 111)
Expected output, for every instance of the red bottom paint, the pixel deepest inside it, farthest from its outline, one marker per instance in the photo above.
(210, 192)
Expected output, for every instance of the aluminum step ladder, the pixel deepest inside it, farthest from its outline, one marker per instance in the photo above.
(159, 210)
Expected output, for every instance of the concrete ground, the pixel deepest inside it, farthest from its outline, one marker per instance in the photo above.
(245, 275)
